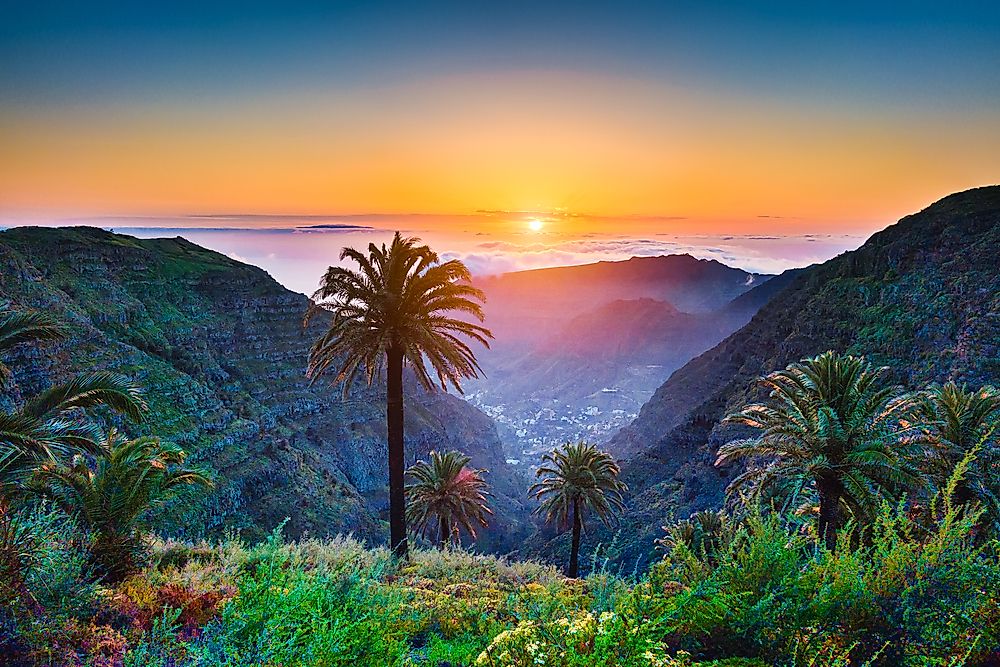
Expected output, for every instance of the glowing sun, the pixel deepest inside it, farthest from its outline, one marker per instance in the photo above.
(535, 225)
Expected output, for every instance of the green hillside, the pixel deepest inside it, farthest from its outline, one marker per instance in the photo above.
(219, 347)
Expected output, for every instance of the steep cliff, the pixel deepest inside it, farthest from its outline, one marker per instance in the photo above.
(220, 348)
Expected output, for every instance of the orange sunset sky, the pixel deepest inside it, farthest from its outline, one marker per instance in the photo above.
(693, 120)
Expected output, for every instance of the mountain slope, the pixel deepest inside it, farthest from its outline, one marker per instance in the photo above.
(220, 347)
(922, 297)
(596, 371)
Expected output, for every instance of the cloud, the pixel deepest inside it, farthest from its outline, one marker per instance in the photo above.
(493, 263)
(324, 228)
(496, 257)
(296, 257)
(757, 254)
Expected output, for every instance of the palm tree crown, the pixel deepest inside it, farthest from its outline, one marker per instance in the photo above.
(448, 495)
(956, 421)
(832, 424)
(575, 479)
(959, 417)
(398, 300)
(128, 479)
(393, 310)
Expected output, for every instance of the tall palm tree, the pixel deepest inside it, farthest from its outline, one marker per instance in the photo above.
(50, 424)
(957, 420)
(448, 495)
(833, 424)
(394, 310)
(576, 479)
(127, 480)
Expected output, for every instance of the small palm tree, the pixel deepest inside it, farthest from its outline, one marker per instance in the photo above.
(111, 496)
(575, 479)
(831, 423)
(393, 310)
(52, 424)
(957, 420)
(705, 534)
(448, 495)
(48, 426)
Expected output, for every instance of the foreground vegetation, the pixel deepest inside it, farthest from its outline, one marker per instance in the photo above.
(763, 590)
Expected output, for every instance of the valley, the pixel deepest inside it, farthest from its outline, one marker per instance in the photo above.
(604, 355)
(579, 349)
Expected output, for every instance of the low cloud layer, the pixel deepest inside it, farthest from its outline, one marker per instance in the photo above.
(758, 254)
(297, 258)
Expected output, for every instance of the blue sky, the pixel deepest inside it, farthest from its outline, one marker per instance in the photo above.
(882, 53)
(833, 113)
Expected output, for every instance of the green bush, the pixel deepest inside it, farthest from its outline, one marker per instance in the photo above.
(903, 593)
(908, 596)
(52, 556)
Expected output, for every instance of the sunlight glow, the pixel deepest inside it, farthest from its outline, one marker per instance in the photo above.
(535, 225)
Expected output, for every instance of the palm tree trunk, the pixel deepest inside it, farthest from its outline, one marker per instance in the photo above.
(444, 531)
(574, 553)
(394, 426)
(830, 493)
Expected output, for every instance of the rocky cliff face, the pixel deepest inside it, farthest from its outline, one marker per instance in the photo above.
(220, 348)
(922, 297)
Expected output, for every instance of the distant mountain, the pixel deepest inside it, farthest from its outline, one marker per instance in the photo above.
(220, 347)
(922, 297)
(578, 349)
(533, 304)
(612, 329)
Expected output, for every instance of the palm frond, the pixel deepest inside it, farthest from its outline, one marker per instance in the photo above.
(19, 327)
(578, 473)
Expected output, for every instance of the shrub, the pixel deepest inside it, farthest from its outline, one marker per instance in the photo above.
(905, 597)
(580, 639)
(42, 561)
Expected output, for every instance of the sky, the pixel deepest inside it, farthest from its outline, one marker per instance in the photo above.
(617, 120)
